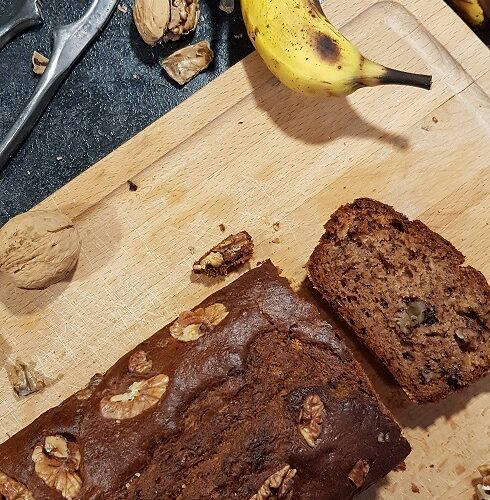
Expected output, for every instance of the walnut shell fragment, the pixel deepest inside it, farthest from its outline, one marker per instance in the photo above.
(278, 486)
(139, 397)
(234, 250)
(192, 325)
(39, 62)
(56, 463)
(24, 379)
(184, 64)
(10, 489)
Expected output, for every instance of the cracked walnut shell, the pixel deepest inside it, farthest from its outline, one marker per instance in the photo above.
(184, 64)
(38, 248)
(310, 419)
(158, 20)
(56, 463)
(10, 489)
(192, 325)
(278, 486)
(139, 397)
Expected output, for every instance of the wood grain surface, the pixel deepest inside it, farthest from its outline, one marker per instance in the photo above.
(247, 153)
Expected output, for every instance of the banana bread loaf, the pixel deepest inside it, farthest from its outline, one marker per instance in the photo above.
(408, 297)
(248, 396)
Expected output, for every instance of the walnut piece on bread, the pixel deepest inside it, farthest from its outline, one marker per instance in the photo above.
(139, 363)
(56, 462)
(192, 325)
(139, 397)
(10, 489)
(359, 473)
(310, 419)
(278, 486)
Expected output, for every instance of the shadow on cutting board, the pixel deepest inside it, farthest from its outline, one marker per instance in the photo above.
(314, 120)
(406, 412)
(5, 351)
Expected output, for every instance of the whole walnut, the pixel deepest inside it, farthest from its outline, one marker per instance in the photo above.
(38, 248)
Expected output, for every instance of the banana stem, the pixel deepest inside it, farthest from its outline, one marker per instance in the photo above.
(395, 77)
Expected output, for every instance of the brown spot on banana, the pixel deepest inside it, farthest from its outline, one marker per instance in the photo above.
(315, 3)
(327, 47)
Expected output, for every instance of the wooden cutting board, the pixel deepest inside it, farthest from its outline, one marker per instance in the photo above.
(247, 153)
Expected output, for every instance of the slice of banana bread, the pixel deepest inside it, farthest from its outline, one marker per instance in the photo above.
(407, 295)
(248, 396)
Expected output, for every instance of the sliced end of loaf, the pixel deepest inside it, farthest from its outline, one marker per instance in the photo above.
(407, 295)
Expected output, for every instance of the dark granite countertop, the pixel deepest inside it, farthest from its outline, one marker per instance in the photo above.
(116, 90)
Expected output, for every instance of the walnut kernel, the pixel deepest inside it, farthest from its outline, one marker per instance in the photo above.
(310, 419)
(184, 15)
(278, 486)
(191, 325)
(10, 489)
(139, 363)
(213, 259)
(416, 313)
(139, 397)
(359, 473)
(56, 463)
(467, 339)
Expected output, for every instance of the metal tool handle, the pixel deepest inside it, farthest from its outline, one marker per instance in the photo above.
(20, 16)
(70, 42)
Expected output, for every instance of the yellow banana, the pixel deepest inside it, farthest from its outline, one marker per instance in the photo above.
(306, 53)
(474, 12)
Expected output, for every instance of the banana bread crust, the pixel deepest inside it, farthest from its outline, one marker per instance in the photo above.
(260, 402)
